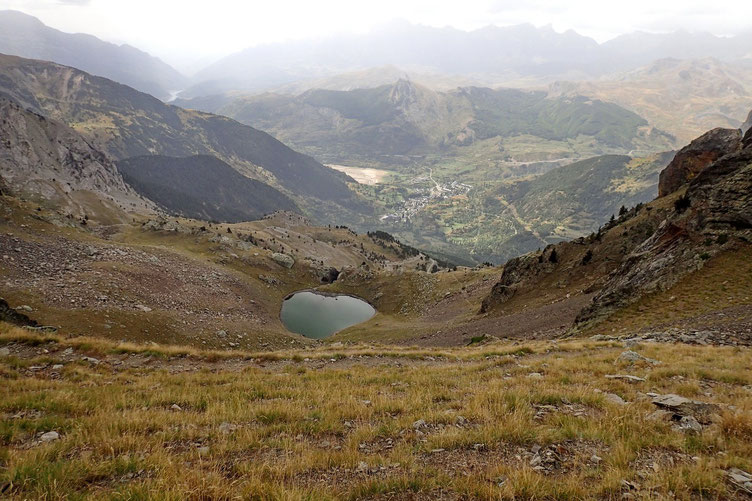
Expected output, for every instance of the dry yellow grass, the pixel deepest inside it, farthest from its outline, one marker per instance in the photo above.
(344, 422)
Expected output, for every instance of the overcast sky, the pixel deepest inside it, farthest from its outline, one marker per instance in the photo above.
(189, 32)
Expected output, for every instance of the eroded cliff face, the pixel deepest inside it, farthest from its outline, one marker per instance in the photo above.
(696, 156)
(47, 160)
(714, 214)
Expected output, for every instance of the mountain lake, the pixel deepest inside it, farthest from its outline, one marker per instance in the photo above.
(316, 315)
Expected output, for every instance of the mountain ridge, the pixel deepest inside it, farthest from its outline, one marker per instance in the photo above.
(508, 54)
(26, 36)
(405, 118)
(126, 123)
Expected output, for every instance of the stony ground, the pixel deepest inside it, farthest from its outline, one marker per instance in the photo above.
(88, 419)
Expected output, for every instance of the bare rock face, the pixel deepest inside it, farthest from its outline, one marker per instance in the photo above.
(695, 157)
(37, 153)
(517, 273)
(720, 205)
(48, 161)
(747, 125)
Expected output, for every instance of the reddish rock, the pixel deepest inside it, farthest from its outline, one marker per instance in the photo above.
(695, 157)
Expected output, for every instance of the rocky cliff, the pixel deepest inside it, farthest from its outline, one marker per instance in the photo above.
(48, 160)
(124, 123)
(696, 156)
(714, 214)
(648, 248)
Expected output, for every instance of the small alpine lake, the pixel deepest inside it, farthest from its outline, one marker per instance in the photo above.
(316, 315)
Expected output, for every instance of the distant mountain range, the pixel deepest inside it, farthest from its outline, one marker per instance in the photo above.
(682, 96)
(442, 58)
(26, 36)
(520, 55)
(389, 123)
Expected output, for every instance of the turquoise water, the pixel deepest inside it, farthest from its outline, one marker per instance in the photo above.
(317, 316)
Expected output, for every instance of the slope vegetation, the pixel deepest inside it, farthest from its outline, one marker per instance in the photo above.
(202, 187)
(653, 252)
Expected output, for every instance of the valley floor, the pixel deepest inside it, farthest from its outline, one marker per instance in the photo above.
(84, 418)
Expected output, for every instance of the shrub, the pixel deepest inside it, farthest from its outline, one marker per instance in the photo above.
(587, 257)
(553, 257)
(682, 203)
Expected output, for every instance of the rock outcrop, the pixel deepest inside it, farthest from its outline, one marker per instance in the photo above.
(330, 276)
(8, 314)
(747, 141)
(718, 210)
(747, 125)
(695, 157)
(283, 259)
(517, 272)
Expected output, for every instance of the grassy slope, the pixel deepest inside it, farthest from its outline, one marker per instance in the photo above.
(339, 423)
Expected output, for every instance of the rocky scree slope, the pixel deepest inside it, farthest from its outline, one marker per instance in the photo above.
(717, 207)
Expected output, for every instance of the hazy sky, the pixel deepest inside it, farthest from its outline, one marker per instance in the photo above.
(186, 32)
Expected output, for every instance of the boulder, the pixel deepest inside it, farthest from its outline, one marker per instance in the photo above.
(681, 407)
(626, 377)
(330, 276)
(689, 424)
(283, 259)
(741, 479)
(632, 357)
(695, 157)
(12, 316)
(614, 399)
(50, 436)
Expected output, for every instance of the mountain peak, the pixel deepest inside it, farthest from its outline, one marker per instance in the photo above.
(403, 93)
